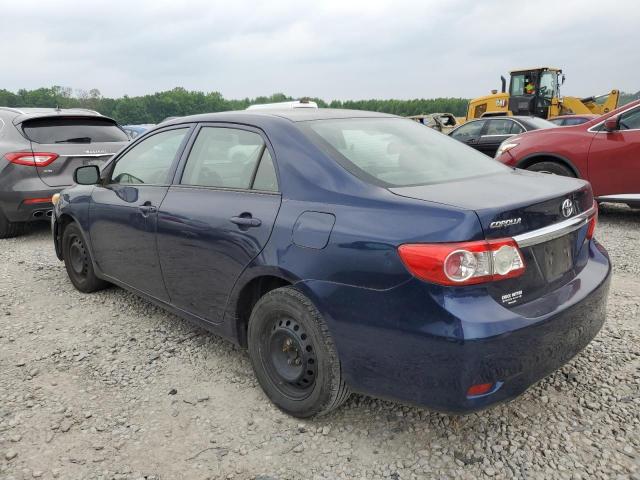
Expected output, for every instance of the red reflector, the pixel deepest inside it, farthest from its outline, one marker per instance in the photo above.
(593, 222)
(479, 389)
(31, 159)
(31, 201)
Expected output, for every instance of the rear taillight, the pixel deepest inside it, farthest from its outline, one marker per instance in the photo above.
(593, 221)
(464, 263)
(31, 159)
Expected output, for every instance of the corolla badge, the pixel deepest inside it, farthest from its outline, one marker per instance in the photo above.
(567, 208)
(95, 152)
(505, 223)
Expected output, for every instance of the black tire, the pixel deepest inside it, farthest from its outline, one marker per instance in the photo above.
(554, 168)
(286, 327)
(77, 261)
(10, 229)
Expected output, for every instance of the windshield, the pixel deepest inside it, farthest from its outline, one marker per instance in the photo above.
(548, 82)
(396, 152)
(73, 130)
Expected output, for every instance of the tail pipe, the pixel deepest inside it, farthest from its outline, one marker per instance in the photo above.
(504, 83)
(42, 213)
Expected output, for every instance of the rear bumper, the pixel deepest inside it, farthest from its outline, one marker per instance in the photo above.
(14, 194)
(426, 345)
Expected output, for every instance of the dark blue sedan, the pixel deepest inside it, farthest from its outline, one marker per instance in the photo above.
(349, 251)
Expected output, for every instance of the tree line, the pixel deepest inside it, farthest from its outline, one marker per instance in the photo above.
(153, 108)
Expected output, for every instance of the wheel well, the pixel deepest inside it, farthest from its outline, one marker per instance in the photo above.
(62, 224)
(248, 297)
(527, 162)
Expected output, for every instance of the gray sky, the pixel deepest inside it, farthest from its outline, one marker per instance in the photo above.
(334, 49)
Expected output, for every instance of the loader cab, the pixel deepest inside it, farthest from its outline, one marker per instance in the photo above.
(532, 91)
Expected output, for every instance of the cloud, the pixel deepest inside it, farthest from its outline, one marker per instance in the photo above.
(332, 49)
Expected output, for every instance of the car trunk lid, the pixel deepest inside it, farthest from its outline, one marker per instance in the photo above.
(546, 215)
(511, 203)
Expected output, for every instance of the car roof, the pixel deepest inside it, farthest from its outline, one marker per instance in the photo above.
(294, 115)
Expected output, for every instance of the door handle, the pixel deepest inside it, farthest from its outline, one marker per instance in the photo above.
(246, 221)
(146, 208)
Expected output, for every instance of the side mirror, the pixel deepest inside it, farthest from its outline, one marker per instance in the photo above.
(611, 124)
(87, 175)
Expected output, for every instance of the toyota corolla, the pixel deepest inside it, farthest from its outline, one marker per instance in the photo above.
(349, 251)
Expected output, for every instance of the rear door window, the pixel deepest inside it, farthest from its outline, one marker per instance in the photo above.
(499, 127)
(516, 128)
(468, 131)
(266, 178)
(73, 130)
(223, 157)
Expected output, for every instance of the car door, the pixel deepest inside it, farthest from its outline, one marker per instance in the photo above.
(216, 217)
(123, 211)
(614, 158)
(469, 133)
(496, 131)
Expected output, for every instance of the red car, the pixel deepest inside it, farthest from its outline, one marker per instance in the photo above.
(605, 151)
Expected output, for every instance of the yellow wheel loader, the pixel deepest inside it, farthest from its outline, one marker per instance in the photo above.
(536, 91)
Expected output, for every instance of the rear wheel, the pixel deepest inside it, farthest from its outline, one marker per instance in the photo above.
(554, 168)
(10, 229)
(77, 261)
(293, 355)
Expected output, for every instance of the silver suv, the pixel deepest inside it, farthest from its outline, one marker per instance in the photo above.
(40, 149)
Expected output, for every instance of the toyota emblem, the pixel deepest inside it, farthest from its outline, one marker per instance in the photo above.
(567, 208)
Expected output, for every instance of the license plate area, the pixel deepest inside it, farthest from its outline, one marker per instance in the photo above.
(556, 257)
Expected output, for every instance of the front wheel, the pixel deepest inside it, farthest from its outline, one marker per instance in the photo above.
(77, 261)
(293, 355)
(551, 167)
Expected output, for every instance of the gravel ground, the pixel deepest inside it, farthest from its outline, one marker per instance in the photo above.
(108, 386)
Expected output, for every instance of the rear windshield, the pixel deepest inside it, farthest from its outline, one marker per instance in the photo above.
(73, 130)
(396, 152)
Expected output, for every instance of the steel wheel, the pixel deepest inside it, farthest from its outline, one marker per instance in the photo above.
(77, 260)
(293, 354)
(289, 358)
(78, 256)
